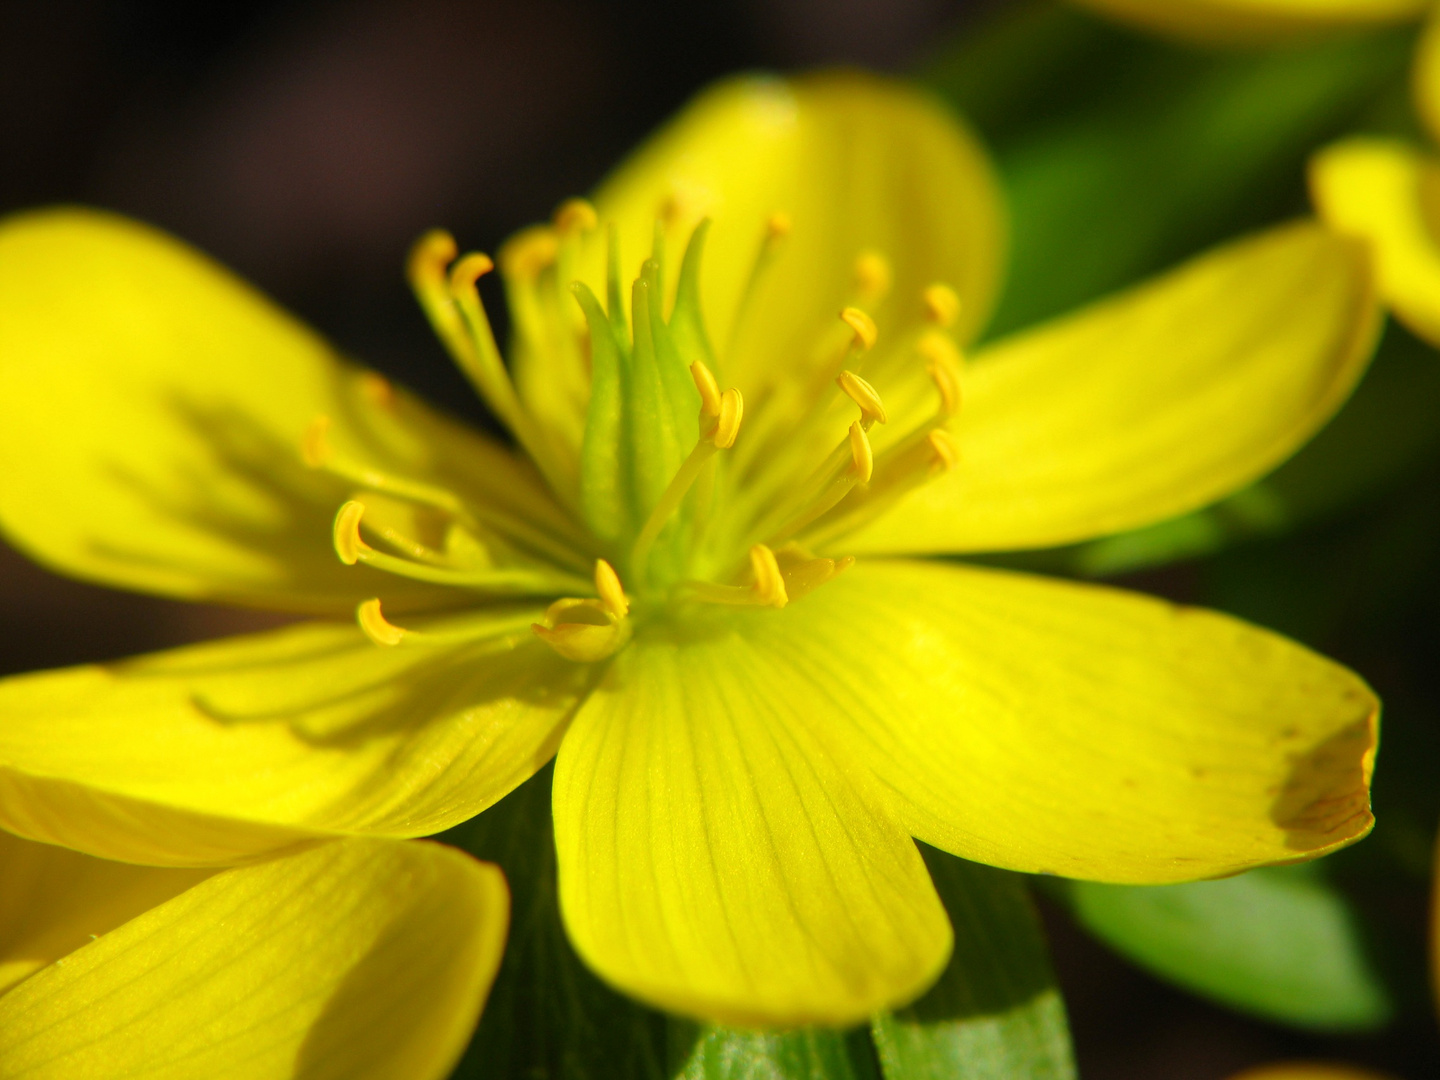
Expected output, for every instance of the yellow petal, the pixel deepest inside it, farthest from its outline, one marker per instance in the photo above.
(1425, 74)
(1059, 728)
(216, 753)
(55, 901)
(716, 859)
(1149, 404)
(855, 163)
(365, 959)
(151, 414)
(1388, 194)
(1244, 21)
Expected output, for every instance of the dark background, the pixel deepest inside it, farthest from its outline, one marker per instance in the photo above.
(306, 144)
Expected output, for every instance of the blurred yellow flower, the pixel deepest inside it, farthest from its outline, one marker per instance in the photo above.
(1255, 21)
(357, 958)
(658, 583)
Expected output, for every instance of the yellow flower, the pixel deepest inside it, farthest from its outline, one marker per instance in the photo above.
(356, 958)
(659, 584)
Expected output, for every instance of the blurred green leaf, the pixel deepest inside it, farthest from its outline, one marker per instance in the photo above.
(547, 1016)
(1280, 942)
(722, 1054)
(1122, 154)
(996, 1013)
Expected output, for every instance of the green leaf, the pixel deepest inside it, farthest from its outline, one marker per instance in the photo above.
(996, 1012)
(547, 1015)
(1279, 942)
(1122, 154)
(723, 1054)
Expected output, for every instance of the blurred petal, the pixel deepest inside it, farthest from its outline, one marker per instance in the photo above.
(1244, 21)
(1153, 403)
(717, 860)
(55, 901)
(153, 408)
(1387, 193)
(216, 753)
(362, 959)
(857, 163)
(1069, 729)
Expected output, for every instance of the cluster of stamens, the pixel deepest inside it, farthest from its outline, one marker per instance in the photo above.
(742, 531)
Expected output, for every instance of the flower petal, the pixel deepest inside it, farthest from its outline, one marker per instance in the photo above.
(360, 958)
(1238, 21)
(716, 859)
(153, 408)
(55, 901)
(215, 753)
(856, 163)
(1069, 729)
(1380, 190)
(1150, 404)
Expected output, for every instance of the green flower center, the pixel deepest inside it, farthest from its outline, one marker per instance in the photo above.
(686, 493)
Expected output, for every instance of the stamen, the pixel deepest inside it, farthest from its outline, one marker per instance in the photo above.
(804, 573)
(351, 548)
(718, 431)
(425, 268)
(862, 464)
(857, 470)
(872, 276)
(530, 251)
(575, 216)
(502, 633)
(863, 325)
(607, 584)
(872, 409)
(768, 589)
(777, 227)
(314, 446)
(943, 364)
(377, 628)
(942, 304)
(583, 630)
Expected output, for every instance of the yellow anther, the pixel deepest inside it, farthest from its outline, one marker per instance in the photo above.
(708, 387)
(607, 584)
(727, 424)
(431, 254)
(378, 389)
(942, 304)
(348, 544)
(862, 324)
(778, 226)
(804, 573)
(575, 216)
(582, 630)
(529, 252)
(872, 275)
(377, 628)
(469, 270)
(862, 460)
(943, 363)
(769, 587)
(863, 394)
(946, 452)
(314, 444)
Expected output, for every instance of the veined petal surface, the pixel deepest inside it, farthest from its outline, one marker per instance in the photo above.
(1070, 729)
(1387, 192)
(360, 959)
(1254, 21)
(55, 900)
(1150, 404)
(856, 163)
(153, 409)
(216, 753)
(717, 859)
